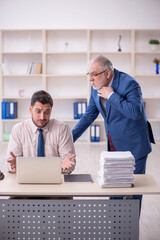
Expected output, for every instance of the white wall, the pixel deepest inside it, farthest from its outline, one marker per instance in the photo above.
(72, 14)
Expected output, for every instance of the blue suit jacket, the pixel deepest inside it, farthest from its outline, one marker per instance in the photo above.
(125, 117)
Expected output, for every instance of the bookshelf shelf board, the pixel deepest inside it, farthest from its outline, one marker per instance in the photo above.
(154, 119)
(103, 53)
(151, 98)
(15, 98)
(13, 120)
(65, 52)
(151, 53)
(70, 97)
(22, 75)
(99, 120)
(147, 75)
(68, 120)
(25, 52)
(66, 75)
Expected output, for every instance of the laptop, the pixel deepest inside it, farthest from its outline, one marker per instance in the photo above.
(42, 170)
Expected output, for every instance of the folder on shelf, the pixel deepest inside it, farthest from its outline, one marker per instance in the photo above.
(34, 68)
(3, 105)
(92, 128)
(75, 108)
(9, 110)
(97, 133)
(13, 110)
(38, 69)
(84, 106)
(79, 109)
(5, 69)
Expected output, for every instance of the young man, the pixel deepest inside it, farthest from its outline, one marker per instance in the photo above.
(55, 135)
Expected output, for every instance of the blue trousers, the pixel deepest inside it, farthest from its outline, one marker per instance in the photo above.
(140, 168)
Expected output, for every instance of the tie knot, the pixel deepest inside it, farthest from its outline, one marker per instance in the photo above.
(39, 130)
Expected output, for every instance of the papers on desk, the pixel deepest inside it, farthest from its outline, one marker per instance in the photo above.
(116, 169)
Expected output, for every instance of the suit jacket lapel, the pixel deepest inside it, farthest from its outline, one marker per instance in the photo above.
(100, 107)
(108, 108)
(114, 85)
(115, 82)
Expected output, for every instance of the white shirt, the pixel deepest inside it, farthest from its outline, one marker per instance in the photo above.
(58, 141)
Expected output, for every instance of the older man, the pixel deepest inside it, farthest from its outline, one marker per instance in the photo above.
(118, 97)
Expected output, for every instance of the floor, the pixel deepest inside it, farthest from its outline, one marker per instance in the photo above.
(88, 162)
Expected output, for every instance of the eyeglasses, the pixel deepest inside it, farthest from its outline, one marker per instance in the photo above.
(93, 74)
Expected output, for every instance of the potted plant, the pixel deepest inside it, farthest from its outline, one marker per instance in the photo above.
(154, 43)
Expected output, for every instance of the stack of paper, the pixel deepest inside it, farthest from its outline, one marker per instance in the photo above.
(116, 169)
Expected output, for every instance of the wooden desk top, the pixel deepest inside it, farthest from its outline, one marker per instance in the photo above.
(144, 184)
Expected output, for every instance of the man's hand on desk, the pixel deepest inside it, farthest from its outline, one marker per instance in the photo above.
(68, 162)
(12, 161)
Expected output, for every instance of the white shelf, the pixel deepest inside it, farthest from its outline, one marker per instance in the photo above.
(23, 119)
(117, 53)
(54, 98)
(22, 75)
(65, 52)
(154, 119)
(16, 97)
(66, 75)
(10, 53)
(151, 98)
(13, 120)
(69, 120)
(70, 97)
(147, 75)
(65, 55)
(152, 53)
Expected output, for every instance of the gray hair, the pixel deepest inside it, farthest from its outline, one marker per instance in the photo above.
(103, 62)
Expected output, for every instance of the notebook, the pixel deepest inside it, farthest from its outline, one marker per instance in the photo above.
(38, 170)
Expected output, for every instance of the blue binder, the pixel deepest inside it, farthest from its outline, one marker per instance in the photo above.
(93, 133)
(7, 110)
(13, 110)
(97, 138)
(3, 104)
(75, 108)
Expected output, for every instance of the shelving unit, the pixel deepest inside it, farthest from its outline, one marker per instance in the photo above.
(64, 55)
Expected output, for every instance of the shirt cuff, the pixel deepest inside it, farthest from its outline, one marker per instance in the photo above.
(110, 95)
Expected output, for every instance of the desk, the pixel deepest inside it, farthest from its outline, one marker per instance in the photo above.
(94, 218)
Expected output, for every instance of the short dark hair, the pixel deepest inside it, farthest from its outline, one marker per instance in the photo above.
(42, 97)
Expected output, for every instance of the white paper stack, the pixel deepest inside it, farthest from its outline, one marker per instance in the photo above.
(116, 169)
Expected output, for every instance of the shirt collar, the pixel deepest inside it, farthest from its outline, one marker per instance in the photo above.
(34, 127)
(109, 85)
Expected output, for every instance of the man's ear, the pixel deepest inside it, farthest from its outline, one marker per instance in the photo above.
(108, 73)
(30, 109)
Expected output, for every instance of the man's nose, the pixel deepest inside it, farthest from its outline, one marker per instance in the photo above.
(91, 79)
(42, 115)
